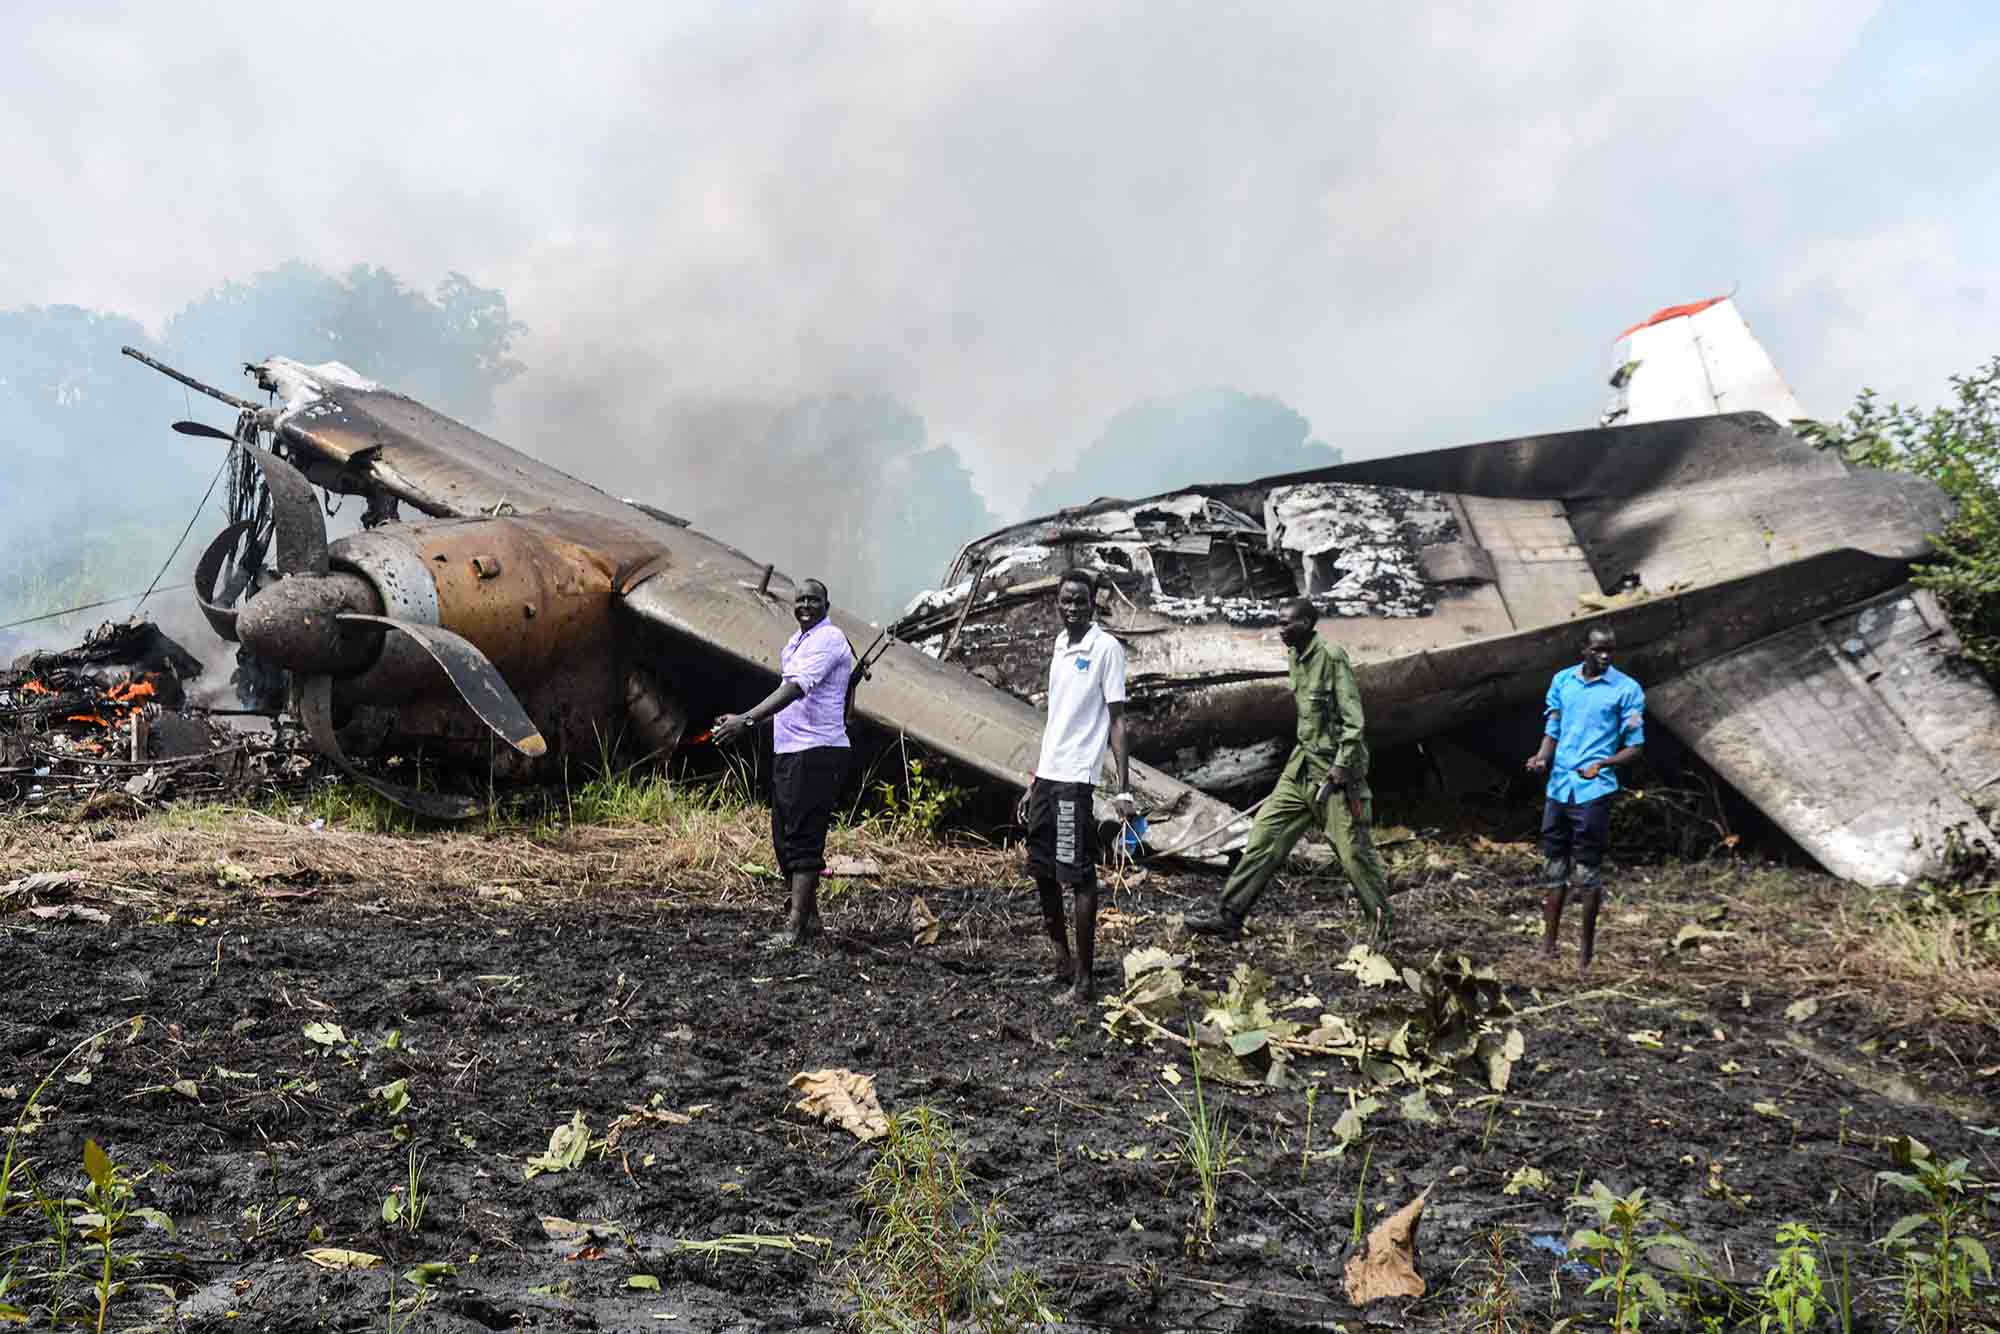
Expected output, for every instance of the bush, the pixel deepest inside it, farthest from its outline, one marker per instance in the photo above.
(1958, 447)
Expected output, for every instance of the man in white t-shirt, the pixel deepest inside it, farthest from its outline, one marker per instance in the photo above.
(1086, 712)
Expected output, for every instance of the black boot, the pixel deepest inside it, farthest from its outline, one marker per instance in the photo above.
(1222, 923)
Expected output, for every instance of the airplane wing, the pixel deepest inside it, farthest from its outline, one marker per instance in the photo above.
(1860, 734)
(725, 611)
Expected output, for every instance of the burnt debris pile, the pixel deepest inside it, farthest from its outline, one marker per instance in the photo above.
(113, 716)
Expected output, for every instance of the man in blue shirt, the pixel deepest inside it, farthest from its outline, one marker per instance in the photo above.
(1594, 722)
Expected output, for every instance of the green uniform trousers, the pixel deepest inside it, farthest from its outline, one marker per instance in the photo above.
(1284, 818)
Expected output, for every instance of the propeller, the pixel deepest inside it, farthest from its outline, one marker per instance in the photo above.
(203, 429)
(318, 622)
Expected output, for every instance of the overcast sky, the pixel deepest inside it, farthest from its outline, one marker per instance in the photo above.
(1417, 224)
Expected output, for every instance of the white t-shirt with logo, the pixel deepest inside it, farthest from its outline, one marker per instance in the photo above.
(1084, 678)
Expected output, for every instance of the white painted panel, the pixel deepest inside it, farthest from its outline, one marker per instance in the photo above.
(1670, 380)
(1739, 370)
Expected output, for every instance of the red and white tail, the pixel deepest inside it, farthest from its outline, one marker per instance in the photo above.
(1695, 360)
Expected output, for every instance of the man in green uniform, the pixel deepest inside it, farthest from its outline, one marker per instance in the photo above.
(1325, 783)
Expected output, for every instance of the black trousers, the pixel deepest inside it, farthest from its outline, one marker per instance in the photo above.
(1577, 833)
(804, 784)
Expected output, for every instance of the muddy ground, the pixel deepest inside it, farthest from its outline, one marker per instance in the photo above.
(514, 986)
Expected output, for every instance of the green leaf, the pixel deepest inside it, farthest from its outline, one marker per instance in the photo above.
(1977, 1254)
(97, 1164)
(430, 1272)
(1591, 1240)
(156, 1218)
(643, 1282)
(12, 1315)
(1904, 1226)
(392, 1208)
(1242, 1044)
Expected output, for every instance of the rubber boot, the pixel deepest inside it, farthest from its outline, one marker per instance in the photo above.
(802, 927)
(1552, 914)
(1220, 923)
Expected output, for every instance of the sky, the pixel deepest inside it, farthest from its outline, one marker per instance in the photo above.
(1417, 224)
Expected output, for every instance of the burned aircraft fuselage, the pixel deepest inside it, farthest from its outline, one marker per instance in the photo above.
(1458, 581)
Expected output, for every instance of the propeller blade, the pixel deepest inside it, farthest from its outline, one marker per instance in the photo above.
(477, 680)
(315, 702)
(203, 429)
(220, 619)
(301, 525)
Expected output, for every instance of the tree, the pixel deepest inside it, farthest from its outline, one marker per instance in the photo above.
(1958, 447)
(851, 490)
(1203, 435)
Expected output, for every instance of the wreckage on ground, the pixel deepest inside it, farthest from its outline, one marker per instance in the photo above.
(1774, 625)
(521, 621)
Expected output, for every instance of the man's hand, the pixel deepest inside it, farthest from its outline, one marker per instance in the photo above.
(1590, 770)
(1021, 810)
(1538, 763)
(731, 727)
(1127, 807)
(1335, 781)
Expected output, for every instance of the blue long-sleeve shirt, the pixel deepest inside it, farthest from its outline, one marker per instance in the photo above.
(1590, 720)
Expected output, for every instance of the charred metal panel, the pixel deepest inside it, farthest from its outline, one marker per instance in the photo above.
(1856, 733)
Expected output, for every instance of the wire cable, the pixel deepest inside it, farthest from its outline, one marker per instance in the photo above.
(192, 518)
(88, 606)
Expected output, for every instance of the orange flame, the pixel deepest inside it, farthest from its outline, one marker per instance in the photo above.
(36, 688)
(699, 740)
(131, 691)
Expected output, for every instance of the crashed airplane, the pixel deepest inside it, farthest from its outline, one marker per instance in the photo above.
(1773, 623)
(524, 616)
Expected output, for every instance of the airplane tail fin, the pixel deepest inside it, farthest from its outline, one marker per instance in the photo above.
(1695, 360)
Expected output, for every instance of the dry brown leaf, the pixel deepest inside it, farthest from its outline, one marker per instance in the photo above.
(924, 924)
(1388, 1268)
(67, 912)
(334, 1257)
(841, 1097)
(40, 880)
(639, 1116)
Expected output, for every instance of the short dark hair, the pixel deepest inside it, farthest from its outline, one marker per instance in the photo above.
(1075, 575)
(1598, 632)
(1302, 605)
(820, 584)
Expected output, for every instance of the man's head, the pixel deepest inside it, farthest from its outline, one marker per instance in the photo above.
(809, 604)
(1598, 647)
(1076, 598)
(1296, 622)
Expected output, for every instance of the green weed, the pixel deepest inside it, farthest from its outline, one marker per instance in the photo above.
(931, 1256)
(1614, 1247)
(1208, 1146)
(1941, 1263)
(1791, 1297)
(405, 1205)
(920, 804)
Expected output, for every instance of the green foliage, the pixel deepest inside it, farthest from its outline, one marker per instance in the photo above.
(1614, 1248)
(1958, 447)
(1790, 1298)
(931, 1256)
(406, 1205)
(1208, 1147)
(920, 805)
(1941, 1262)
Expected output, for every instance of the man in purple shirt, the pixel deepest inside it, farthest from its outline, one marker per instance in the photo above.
(809, 739)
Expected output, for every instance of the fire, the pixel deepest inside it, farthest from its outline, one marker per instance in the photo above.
(131, 691)
(36, 688)
(700, 740)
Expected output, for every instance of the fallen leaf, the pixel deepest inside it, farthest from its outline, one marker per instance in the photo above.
(1526, 1179)
(40, 880)
(1501, 1054)
(1416, 1107)
(333, 1257)
(430, 1272)
(1370, 969)
(842, 1098)
(187, 1088)
(924, 924)
(70, 912)
(1388, 1268)
(568, 1143)
(1646, 1037)
(234, 873)
(1801, 1010)
(643, 1282)
(1768, 1109)
(640, 1116)
(325, 1034)
(851, 868)
(1354, 1121)
(1693, 933)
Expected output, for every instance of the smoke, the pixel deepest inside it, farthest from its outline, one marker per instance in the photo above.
(1413, 225)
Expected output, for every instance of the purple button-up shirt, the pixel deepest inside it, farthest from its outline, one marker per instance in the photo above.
(818, 662)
